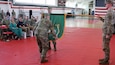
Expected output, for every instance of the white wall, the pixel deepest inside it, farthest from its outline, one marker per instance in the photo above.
(85, 6)
(80, 6)
(71, 4)
(35, 10)
(4, 7)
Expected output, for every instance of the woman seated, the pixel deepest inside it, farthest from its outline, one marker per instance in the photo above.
(13, 27)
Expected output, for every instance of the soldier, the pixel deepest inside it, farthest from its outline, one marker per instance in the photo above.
(1, 16)
(41, 32)
(6, 21)
(107, 32)
(13, 13)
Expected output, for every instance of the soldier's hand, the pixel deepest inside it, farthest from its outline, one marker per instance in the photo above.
(101, 19)
(98, 16)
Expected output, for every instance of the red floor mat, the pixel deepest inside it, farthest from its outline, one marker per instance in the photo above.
(78, 46)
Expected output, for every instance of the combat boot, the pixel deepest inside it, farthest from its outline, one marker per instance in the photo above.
(43, 60)
(40, 50)
(103, 61)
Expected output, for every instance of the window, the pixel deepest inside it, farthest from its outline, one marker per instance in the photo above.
(51, 2)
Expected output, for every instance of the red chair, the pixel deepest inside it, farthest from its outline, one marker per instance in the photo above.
(5, 33)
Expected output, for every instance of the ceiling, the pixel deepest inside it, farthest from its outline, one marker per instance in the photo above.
(77, 1)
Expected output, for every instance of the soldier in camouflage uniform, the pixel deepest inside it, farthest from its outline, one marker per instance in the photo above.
(13, 13)
(6, 22)
(1, 17)
(41, 32)
(33, 21)
(107, 29)
(1, 20)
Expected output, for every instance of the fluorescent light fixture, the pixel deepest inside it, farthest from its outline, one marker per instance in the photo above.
(37, 2)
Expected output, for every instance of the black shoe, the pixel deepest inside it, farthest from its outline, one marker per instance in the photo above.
(49, 48)
(44, 61)
(114, 33)
(40, 50)
(103, 61)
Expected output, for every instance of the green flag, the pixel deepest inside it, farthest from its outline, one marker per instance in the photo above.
(58, 21)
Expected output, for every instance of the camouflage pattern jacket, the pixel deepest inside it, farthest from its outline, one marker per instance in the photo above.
(42, 28)
(108, 27)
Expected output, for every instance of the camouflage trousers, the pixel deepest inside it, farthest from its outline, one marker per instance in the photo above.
(26, 29)
(43, 45)
(106, 48)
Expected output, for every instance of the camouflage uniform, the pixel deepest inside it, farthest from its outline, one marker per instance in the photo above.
(1, 18)
(41, 32)
(13, 13)
(52, 39)
(1, 21)
(27, 26)
(6, 22)
(33, 22)
(107, 29)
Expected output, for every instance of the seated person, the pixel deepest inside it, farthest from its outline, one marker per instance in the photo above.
(27, 22)
(32, 22)
(22, 25)
(6, 22)
(13, 27)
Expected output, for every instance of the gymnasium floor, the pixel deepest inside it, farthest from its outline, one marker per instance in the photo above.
(81, 44)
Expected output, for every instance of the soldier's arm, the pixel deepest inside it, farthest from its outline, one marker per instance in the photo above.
(52, 29)
(102, 19)
(36, 25)
(108, 23)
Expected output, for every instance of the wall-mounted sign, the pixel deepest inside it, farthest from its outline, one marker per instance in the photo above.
(61, 2)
